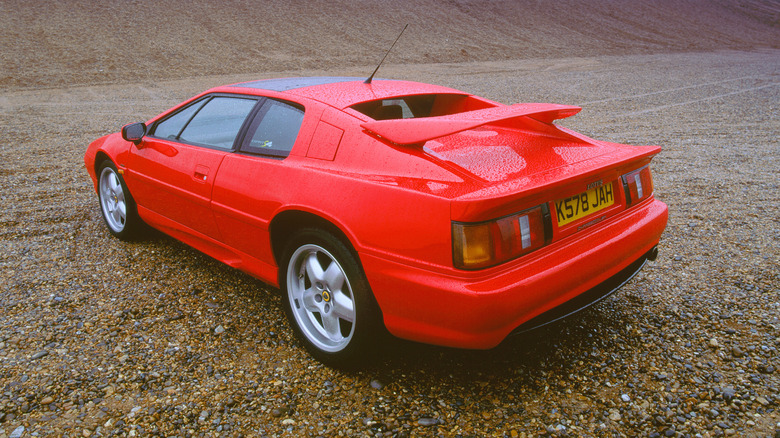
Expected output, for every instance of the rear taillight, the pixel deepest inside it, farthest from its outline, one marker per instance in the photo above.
(483, 244)
(638, 185)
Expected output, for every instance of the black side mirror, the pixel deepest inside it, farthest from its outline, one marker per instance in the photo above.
(134, 132)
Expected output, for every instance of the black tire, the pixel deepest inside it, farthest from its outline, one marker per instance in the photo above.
(328, 301)
(116, 203)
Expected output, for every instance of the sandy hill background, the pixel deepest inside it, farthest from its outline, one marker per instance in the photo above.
(54, 43)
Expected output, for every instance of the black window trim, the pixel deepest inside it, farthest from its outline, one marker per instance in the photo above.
(202, 103)
(259, 100)
(240, 140)
(273, 154)
(241, 137)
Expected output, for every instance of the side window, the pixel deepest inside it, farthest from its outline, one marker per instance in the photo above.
(171, 127)
(274, 129)
(218, 122)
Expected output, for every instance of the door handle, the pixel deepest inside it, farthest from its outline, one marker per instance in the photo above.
(201, 173)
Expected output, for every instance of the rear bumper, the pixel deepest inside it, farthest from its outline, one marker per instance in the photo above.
(480, 309)
(588, 298)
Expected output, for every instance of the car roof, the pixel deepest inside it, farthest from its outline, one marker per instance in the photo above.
(342, 92)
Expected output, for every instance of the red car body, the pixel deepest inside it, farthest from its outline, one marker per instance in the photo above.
(409, 193)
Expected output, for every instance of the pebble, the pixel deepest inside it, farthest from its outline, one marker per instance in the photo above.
(728, 394)
(39, 354)
(427, 422)
(280, 411)
(219, 330)
(17, 433)
(714, 343)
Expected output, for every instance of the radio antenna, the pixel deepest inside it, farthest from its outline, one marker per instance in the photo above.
(368, 81)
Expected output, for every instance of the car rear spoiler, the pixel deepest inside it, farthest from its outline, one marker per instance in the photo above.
(419, 130)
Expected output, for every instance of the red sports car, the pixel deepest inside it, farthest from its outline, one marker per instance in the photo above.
(444, 217)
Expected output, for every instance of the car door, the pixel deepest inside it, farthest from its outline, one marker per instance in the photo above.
(254, 181)
(172, 170)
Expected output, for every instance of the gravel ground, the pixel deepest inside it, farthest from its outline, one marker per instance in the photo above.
(105, 338)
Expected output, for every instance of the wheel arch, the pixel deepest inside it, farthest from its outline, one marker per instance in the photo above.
(100, 157)
(284, 225)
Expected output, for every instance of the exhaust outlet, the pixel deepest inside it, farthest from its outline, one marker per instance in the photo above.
(653, 253)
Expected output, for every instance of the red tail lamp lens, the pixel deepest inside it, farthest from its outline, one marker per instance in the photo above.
(638, 185)
(484, 244)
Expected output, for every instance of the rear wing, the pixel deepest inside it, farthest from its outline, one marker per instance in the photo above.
(419, 130)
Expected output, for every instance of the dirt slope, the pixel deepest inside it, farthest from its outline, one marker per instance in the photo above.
(54, 43)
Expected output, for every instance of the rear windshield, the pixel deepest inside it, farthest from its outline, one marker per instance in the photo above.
(424, 105)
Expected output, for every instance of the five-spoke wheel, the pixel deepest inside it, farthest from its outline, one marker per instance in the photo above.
(321, 298)
(327, 298)
(116, 204)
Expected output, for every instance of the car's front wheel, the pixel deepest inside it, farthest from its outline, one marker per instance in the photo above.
(116, 203)
(328, 300)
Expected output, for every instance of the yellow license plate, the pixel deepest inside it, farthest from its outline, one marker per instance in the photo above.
(575, 207)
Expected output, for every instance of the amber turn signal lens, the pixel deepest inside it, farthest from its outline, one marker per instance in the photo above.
(473, 245)
(484, 244)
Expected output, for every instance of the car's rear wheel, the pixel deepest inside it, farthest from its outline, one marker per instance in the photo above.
(116, 203)
(328, 300)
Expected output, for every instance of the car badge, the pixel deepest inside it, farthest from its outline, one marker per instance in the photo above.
(595, 184)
